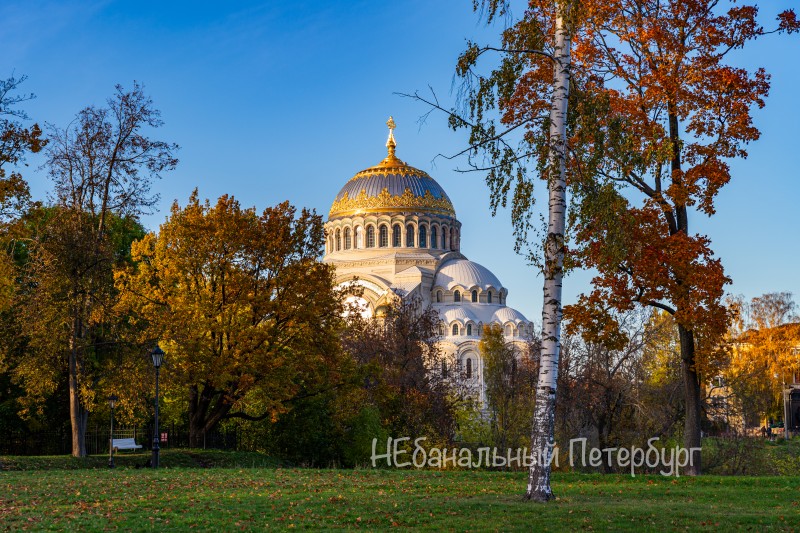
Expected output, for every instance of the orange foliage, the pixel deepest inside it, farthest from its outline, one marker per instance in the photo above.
(668, 115)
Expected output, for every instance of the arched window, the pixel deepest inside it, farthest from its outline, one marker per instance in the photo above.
(457, 296)
(383, 237)
(438, 296)
(489, 297)
(469, 368)
(359, 237)
(371, 237)
(509, 330)
(338, 240)
(474, 296)
(423, 237)
(444, 368)
(348, 242)
(409, 236)
(397, 236)
(434, 237)
(455, 330)
(469, 329)
(444, 237)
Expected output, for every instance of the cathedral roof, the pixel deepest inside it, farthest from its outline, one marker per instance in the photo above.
(462, 313)
(508, 314)
(391, 186)
(479, 313)
(466, 274)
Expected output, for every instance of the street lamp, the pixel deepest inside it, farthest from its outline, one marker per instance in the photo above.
(112, 401)
(157, 355)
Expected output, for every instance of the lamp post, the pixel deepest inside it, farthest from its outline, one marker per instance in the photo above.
(157, 355)
(112, 400)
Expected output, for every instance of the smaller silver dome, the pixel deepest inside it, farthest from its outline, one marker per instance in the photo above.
(465, 273)
(508, 314)
(460, 313)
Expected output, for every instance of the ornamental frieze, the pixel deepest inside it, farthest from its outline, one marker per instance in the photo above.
(394, 170)
(408, 200)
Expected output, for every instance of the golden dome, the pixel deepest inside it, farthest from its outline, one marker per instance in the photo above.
(391, 186)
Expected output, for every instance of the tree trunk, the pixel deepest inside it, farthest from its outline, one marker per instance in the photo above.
(542, 438)
(78, 415)
(198, 406)
(602, 442)
(691, 385)
(207, 408)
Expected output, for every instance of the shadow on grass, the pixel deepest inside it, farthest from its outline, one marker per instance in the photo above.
(175, 458)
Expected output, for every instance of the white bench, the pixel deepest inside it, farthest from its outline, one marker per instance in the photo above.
(124, 444)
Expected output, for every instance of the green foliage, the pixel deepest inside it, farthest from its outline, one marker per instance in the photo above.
(63, 277)
(748, 456)
(510, 379)
(361, 430)
(473, 429)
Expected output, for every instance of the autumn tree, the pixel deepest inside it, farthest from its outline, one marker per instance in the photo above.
(765, 341)
(102, 166)
(16, 141)
(240, 303)
(400, 361)
(517, 118)
(615, 383)
(667, 114)
(510, 384)
(53, 251)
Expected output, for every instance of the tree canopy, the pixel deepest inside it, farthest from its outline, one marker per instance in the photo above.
(240, 303)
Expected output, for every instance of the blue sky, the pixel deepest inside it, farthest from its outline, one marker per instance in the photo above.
(287, 100)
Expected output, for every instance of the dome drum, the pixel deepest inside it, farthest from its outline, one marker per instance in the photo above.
(437, 234)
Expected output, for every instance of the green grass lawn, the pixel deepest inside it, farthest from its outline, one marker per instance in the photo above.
(234, 491)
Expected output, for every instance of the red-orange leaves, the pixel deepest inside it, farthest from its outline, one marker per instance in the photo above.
(788, 22)
(673, 114)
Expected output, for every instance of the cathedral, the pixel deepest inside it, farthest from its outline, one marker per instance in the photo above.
(393, 231)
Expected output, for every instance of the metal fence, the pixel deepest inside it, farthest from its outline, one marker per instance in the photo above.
(59, 442)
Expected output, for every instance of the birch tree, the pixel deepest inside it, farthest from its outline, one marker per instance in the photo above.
(529, 93)
(542, 438)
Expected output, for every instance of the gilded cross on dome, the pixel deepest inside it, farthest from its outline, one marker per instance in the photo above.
(390, 144)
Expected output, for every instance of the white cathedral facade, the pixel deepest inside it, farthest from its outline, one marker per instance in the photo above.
(393, 231)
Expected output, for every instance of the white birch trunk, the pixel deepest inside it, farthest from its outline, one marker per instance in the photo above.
(544, 411)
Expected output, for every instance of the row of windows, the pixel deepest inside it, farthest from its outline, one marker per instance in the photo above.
(343, 240)
(456, 330)
(473, 296)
